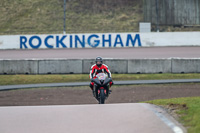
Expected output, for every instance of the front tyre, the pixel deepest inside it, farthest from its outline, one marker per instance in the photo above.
(102, 97)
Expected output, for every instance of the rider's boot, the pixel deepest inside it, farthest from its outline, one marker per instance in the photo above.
(92, 88)
(111, 83)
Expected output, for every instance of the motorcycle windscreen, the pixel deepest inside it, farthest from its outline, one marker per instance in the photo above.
(101, 76)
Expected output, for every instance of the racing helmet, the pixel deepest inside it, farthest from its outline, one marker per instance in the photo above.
(99, 61)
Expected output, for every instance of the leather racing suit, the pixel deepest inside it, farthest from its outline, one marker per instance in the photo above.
(102, 69)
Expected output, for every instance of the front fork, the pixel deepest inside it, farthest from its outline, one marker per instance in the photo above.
(97, 91)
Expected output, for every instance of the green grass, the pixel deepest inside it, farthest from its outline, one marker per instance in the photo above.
(188, 110)
(41, 16)
(32, 79)
(82, 16)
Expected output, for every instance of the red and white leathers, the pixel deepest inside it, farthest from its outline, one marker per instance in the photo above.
(95, 70)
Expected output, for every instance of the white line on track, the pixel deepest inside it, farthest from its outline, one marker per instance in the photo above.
(173, 126)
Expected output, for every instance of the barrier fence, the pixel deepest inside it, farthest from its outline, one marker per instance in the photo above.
(82, 66)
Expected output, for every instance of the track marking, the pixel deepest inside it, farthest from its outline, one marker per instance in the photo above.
(173, 126)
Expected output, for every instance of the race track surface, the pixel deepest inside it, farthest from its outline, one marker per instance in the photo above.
(75, 84)
(89, 53)
(111, 118)
(83, 95)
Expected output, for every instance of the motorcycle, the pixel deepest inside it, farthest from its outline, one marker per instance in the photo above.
(101, 87)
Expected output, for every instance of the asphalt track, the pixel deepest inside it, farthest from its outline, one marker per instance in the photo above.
(110, 118)
(91, 53)
(118, 118)
(75, 84)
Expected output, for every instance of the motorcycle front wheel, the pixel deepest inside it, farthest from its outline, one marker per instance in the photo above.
(102, 97)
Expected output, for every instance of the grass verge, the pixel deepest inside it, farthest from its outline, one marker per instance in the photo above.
(33, 79)
(187, 110)
(40, 16)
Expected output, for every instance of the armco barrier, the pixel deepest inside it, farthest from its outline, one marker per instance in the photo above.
(149, 66)
(185, 65)
(18, 67)
(78, 66)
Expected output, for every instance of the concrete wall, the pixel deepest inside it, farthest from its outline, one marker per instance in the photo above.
(87, 63)
(59, 66)
(117, 65)
(1, 67)
(78, 66)
(149, 66)
(18, 66)
(186, 66)
(100, 40)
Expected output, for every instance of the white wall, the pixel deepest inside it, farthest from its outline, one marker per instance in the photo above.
(100, 40)
(171, 39)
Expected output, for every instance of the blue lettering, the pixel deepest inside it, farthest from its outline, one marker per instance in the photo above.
(71, 41)
(129, 38)
(108, 40)
(46, 41)
(118, 37)
(23, 41)
(95, 43)
(60, 41)
(77, 39)
(31, 42)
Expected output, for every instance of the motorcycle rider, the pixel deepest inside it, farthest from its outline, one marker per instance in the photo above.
(99, 67)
